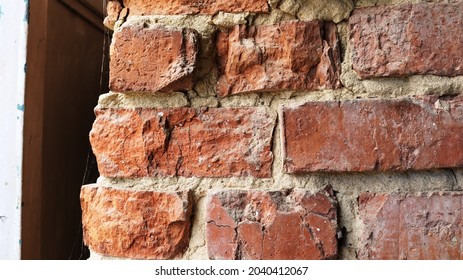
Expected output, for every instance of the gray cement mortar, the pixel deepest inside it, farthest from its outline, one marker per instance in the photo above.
(346, 185)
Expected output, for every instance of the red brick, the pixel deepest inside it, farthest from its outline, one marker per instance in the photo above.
(153, 58)
(367, 135)
(191, 7)
(271, 225)
(424, 226)
(219, 142)
(136, 224)
(409, 39)
(292, 55)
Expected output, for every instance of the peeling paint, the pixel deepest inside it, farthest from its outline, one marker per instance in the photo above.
(1, 13)
(26, 14)
(20, 107)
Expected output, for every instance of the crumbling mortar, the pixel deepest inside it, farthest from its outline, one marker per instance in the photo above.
(455, 186)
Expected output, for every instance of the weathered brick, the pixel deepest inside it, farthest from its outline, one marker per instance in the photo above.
(220, 142)
(409, 39)
(367, 135)
(152, 58)
(424, 226)
(190, 7)
(271, 225)
(136, 224)
(113, 10)
(292, 55)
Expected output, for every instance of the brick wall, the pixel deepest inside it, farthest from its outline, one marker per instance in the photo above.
(289, 129)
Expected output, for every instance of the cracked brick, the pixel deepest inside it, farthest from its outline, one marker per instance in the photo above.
(288, 224)
(293, 55)
(215, 142)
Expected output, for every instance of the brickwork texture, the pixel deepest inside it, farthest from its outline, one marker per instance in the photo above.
(279, 129)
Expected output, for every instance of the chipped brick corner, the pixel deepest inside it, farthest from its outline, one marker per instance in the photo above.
(136, 224)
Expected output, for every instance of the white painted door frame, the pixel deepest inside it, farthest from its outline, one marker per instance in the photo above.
(13, 28)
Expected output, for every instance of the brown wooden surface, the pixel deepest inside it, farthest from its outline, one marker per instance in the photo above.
(62, 87)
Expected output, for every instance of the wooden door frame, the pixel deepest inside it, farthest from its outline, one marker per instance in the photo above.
(33, 130)
(86, 11)
(33, 187)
